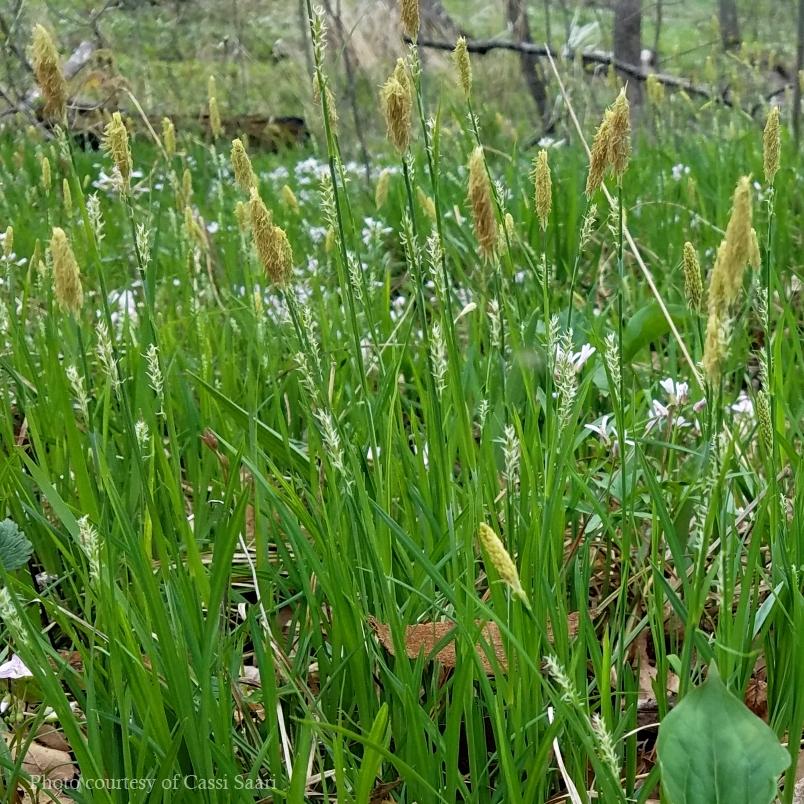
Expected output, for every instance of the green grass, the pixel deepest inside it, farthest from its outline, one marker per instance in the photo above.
(265, 519)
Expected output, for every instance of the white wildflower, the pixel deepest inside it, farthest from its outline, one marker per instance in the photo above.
(677, 392)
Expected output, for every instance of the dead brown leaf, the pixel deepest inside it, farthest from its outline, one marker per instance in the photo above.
(49, 736)
(648, 673)
(50, 768)
(424, 637)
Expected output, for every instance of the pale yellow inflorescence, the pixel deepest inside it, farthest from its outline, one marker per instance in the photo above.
(271, 242)
(241, 165)
(463, 65)
(169, 137)
(397, 103)
(46, 67)
(66, 275)
(738, 250)
(501, 561)
(382, 188)
(46, 176)
(620, 135)
(655, 90)
(427, 204)
(482, 204)
(289, 198)
(543, 188)
(67, 197)
(409, 14)
(771, 145)
(611, 147)
(115, 143)
(8, 243)
(214, 112)
(693, 283)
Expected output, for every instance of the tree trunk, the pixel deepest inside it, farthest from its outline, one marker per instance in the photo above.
(628, 38)
(729, 24)
(797, 76)
(517, 15)
(436, 20)
(657, 34)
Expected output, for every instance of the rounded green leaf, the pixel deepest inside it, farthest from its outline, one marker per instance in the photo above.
(15, 549)
(714, 750)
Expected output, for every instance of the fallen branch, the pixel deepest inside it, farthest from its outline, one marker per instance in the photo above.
(484, 46)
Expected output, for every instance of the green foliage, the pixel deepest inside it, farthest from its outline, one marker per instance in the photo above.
(15, 549)
(228, 484)
(714, 750)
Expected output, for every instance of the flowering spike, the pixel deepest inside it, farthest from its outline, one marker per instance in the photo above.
(501, 561)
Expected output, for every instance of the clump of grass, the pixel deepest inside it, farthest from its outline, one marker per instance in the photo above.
(261, 427)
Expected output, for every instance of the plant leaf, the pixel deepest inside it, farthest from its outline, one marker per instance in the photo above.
(15, 549)
(713, 750)
(436, 640)
(649, 324)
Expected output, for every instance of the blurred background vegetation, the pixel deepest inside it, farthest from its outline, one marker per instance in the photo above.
(738, 54)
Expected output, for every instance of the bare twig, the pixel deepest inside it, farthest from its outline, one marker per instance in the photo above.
(483, 46)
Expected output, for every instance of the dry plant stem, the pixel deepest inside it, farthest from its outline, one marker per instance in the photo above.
(773, 458)
(574, 278)
(629, 239)
(422, 313)
(432, 153)
(344, 261)
(121, 390)
(498, 284)
(147, 285)
(626, 529)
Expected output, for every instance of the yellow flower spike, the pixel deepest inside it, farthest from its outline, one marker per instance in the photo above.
(501, 561)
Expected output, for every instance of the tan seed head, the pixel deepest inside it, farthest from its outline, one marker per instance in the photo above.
(46, 67)
(463, 65)
(771, 145)
(241, 165)
(409, 14)
(735, 251)
(693, 283)
(397, 103)
(482, 204)
(8, 243)
(620, 135)
(46, 175)
(382, 188)
(66, 275)
(598, 159)
(543, 188)
(168, 137)
(271, 242)
(115, 143)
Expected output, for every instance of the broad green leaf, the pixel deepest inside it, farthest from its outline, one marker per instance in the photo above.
(15, 549)
(714, 750)
(648, 325)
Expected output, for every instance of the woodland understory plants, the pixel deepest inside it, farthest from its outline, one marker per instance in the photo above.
(415, 491)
